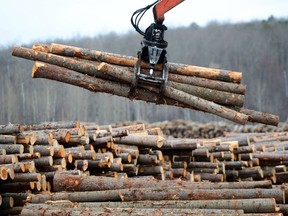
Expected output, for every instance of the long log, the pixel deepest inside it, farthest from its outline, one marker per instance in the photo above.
(52, 125)
(190, 70)
(85, 196)
(220, 97)
(65, 182)
(181, 144)
(248, 205)
(132, 211)
(139, 194)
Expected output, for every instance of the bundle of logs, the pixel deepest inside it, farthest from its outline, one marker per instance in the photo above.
(215, 91)
(73, 168)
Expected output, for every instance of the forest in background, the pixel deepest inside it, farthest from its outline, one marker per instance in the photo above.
(258, 49)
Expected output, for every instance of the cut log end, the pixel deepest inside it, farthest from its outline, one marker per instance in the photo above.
(35, 67)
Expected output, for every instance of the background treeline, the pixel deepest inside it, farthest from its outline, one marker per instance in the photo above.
(259, 49)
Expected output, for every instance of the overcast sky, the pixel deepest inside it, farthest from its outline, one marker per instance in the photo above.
(26, 21)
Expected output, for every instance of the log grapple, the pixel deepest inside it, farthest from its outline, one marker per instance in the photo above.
(153, 47)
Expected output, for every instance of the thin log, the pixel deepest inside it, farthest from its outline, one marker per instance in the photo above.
(281, 177)
(18, 198)
(190, 70)
(151, 141)
(132, 211)
(7, 202)
(26, 156)
(17, 167)
(53, 125)
(169, 193)
(2, 152)
(86, 196)
(44, 161)
(11, 129)
(260, 117)
(16, 186)
(147, 159)
(27, 177)
(208, 83)
(89, 154)
(220, 97)
(212, 177)
(183, 144)
(126, 157)
(12, 148)
(22, 138)
(7, 139)
(7, 159)
(81, 164)
(3, 173)
(150, 170)
(44, 150)
(248, 205)
(59, 151)
(42, 138)
(131, 149)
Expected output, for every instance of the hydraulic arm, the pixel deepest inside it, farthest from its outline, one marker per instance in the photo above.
(153, 46)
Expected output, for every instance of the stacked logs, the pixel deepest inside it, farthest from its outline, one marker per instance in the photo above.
(187, 129)
(132, 165)
(209, 90)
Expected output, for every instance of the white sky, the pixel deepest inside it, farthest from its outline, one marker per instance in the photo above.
(26, 21)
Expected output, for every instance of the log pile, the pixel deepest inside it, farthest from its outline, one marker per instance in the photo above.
(134, 166)
(180, 128)
(215, 91)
